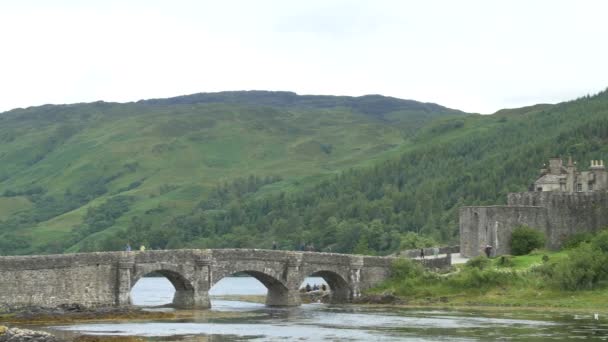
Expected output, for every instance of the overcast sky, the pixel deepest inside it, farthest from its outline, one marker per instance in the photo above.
(477, 56)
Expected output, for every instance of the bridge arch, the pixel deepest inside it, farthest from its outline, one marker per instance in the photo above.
(279, 293)
(340, 289)
(184, 289)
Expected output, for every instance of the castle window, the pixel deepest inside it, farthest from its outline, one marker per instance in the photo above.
(539, 189)
(590, 186)
(579, 187)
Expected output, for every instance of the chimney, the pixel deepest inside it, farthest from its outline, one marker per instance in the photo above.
(597, 165)
(555, 166)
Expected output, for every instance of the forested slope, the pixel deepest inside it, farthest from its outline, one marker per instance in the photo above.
(180, 173)
(76, 177)
(450, 163)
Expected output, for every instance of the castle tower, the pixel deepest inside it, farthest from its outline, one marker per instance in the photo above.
(571, 175)
(598, 176)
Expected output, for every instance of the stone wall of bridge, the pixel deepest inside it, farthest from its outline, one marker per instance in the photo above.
(106, 279)
(87, 279)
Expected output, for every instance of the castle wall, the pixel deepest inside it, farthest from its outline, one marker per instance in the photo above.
(493, 225)
(567, 213)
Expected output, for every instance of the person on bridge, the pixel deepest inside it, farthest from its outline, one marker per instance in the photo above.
(128, 247)
(142, 248)
(421, 253)
(274, 245)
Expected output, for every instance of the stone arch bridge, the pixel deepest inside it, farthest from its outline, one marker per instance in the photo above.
(105, 279)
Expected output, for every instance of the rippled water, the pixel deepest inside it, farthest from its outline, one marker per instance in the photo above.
(315, 322)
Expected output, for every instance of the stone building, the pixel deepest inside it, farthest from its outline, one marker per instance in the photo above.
(558, 177)
(564, 202)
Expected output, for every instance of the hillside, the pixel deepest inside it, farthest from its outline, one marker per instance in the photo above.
(75, 177)
(408, 199)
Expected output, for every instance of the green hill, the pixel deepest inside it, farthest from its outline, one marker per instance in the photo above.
(76, 177)
(244, 169)
(391, 203)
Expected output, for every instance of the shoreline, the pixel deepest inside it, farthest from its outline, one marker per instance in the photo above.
(28, 317)
(388, 300)
(43, 317)
(492, 307)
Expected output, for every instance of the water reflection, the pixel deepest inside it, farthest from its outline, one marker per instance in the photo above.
(155, 291)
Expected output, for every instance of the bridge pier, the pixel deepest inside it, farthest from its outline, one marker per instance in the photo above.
(191, 299)
(125, 265)
(200, 296)
(356, 265)
(283, 298)
(287, 292)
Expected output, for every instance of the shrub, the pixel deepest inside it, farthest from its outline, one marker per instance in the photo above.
(479, 262)
(406, 268)
(525, 239)
(545, 270)
(584, 268)
(576, 239)
(505, 261)
(475, 278)
(600, 241)
(406, 277)
(545, 258)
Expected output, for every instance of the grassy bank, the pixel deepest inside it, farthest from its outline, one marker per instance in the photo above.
(574, 278)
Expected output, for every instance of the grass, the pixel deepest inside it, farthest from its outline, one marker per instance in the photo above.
(524, 262)
(12, 205)
(520, 288)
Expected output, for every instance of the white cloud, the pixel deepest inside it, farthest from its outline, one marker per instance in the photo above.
(477, 56)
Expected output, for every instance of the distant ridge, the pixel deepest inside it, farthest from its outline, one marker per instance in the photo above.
(367, 104)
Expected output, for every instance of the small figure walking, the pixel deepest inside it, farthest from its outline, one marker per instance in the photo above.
(308, 288)
(488, 250)
(128, 247)
(274, 245)
(421, 253)
(142, 248)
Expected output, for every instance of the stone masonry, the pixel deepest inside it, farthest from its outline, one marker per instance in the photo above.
(106, 279)
(558, 215)
(562, 201)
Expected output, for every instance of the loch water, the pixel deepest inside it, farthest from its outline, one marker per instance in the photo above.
(324, 322)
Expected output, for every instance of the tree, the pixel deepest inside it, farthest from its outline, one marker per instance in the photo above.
(525, 239)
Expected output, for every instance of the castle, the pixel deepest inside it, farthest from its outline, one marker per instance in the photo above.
(568, 179)
(563, 201)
